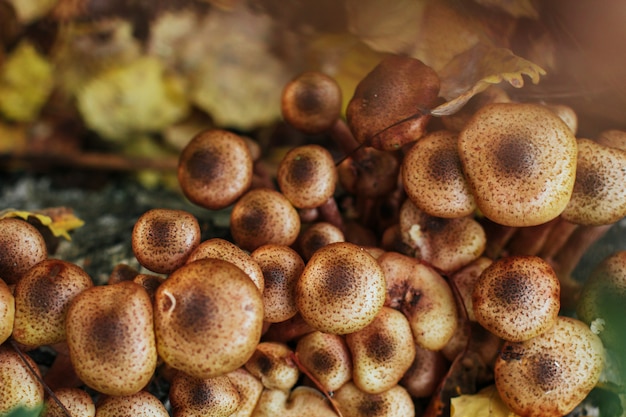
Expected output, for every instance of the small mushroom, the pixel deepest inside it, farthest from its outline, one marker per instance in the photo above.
(217, 248)
(318, 235)
(7, 311)
(18, 385)
(271, 364)
(517, 297)
(353, 402)
(141, 404)
(209, 299)
(302, 401)
(42, 298)
(263, 216)
(249, 389)
(327, 357)
(549, 375)
(191, 397)
(465, 280)
(163, 239)
(215, 169)
(21, 246)
(382, 351)
(520, 163)
(77, 401)
(425, 373)
(110, 335)
(341, 289)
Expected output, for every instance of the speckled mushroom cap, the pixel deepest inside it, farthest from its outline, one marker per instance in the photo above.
(208, 318)
(520, 163)
(215, 168)
(110, 335)
(433, 177)
(141, 404)
(327, 357)
(396, 401)
(77, 401)
(341, 289)
(191, 396)
(599, 195)
(549, 375)
(7, 311)
(307, 176)
(517, 297)
(18, 386)
(21, 246)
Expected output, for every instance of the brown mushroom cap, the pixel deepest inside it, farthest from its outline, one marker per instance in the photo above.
(318, 235)
(209, 299)
(311, 102)
(396, 401)
(520, 163)
(599, 195)
(517, 297)
(341, 289)
(163, 239)
(271, 363)
(302, 401)
(191, 396)
(77, 401)
(385, 109)
(215, 169)
(327, 357)
(263, 216)
(110, 335)
(42, 298)
(249, 389)
(549, 375)
(7, 311)
(307, 176)
(141, 404)
(433, 177)
(18, 386)
(21, 246)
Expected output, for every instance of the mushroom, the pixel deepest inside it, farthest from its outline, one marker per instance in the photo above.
(163, 239)
(42, 298)
(7, 311)
(327, 357)
(21, 246)
(217, 248)
(190, 396)
(110, 335)
(263, 216)
(517, 297)
(425, 373)
(382, 352)
(353, 402)
(433, 177)
(302, 401)
(519, 161)
(249, 389)
(281, 267)
(77, 401)
(318, 235)
(390, 105)
(209, 299)
(141, 404)
(215, 169)
(271, 364)
(465, 280)
(549, 375)
(341, 289)
(19, 383)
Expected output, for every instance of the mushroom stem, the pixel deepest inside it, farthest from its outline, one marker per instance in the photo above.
(345, 140)
(531, 240)
(558, 236)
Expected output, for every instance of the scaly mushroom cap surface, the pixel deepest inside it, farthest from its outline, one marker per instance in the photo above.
(18, 386)
(192, 397)
(520, 163)
(141, 404)
(77, 401)
(7, 311)
(599, 195)
(549, 375)
(21, 246)
(327, 357)
(353, 402)
(341, 289)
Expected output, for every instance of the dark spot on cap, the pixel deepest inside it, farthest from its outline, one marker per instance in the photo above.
(200, 394)
(380, 347)
(588, 182)
(322, 361)
(264, 363)
(252, 219)
(107, 332)
(513, 288)
(301, 170)
(161, 232)
(204, 165)
(445, 165)
(274, 277)
(512, 352)
(338, 281)
(308, 98)
(547, 372)
(515, 157)
(434, 224)
(372, 407)
(195, 311)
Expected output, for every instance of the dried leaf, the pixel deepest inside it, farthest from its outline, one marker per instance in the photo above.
(26, 80)
(131, 99)
(485, 403)
(515, 8)
(60, 220)
(476, 69)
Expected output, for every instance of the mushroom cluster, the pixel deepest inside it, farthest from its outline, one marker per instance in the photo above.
(388, 253)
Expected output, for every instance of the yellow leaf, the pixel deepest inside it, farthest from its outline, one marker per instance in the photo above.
(476, 69)
(26, 81)
(60, 220)
(485, 403)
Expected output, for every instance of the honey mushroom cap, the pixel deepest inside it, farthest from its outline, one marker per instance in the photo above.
(190, 396)
(42, 298)
(218, 248)
(396, 401)
(271, 364)
(249, 389)
(311, 102)
(163, 239)
(517, 297)
(281, 267)
(302, 401)
(318, 235)
(599, 195)
(307, 176)
(76, 400)
(140, 404)
(7, 311)
(209, 299)
(549, 375)
(18, 386)
(433, 177)
(341, 289)
(263, 216)
(110, 335)
(327, 357)
(520, 163)
(382, 352)
(21, 246)
(215, 168)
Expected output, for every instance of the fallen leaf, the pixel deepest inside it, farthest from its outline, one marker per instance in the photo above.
(59, 220)
(476, 69)
(485, 403)
(26, 81)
